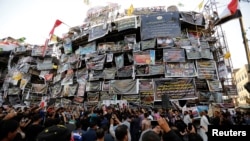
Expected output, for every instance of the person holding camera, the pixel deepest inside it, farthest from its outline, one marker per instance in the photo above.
(120, 132)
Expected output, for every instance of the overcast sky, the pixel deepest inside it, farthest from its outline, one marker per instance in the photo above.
(34, 19)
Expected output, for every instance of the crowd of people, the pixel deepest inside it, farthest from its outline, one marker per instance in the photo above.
(109, 123)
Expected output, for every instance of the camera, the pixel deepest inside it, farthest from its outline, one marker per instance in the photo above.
(154, 123)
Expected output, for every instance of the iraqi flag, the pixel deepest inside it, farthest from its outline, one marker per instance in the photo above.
(56, 24)
(232, 11)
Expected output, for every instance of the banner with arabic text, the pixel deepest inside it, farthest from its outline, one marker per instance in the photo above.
(160, 24)
(175, 88)
(206, 69)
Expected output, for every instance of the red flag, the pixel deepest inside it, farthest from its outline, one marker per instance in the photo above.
(57, 23)
(232, 11)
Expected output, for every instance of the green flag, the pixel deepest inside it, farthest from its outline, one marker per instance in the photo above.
(21, 40)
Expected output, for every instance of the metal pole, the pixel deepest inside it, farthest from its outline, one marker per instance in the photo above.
(245, 42)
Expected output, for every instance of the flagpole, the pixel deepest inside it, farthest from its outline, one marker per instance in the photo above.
(66, 24)
(245, 41)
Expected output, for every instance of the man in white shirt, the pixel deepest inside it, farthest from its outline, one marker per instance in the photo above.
(150, 117)
(187, 118)
(203, 126)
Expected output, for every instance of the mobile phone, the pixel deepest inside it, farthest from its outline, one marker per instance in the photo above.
(154, 123)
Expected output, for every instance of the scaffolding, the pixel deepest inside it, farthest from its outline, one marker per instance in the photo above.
(219, 44)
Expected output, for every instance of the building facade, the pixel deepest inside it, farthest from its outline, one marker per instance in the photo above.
(241, 78)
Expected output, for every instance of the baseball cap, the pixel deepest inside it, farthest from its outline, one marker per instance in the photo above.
(56, 132)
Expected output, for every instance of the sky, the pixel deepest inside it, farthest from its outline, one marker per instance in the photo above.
(34, 19)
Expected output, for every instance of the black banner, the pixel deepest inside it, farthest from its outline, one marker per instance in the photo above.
(231, 90)
(160, 25)
(175, 88)
(206, 69)
(201, 84)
